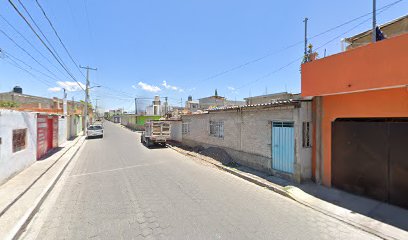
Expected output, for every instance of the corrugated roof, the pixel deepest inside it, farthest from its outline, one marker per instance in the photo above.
(275, 103)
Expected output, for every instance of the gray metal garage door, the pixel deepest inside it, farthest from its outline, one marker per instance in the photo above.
(370, 157)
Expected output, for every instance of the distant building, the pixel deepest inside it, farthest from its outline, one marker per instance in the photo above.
(216, 102)
(192, 105)
(155, 109)
(268, 98)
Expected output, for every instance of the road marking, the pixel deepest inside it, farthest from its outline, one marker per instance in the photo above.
(117, 169)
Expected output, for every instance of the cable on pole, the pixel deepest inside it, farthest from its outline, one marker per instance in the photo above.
(42, 41)
(59, 38)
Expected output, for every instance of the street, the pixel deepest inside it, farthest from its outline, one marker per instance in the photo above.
(119, 189)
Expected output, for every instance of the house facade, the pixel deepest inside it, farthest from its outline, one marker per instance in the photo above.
(360, 113)
(273, 138)
(18, 142)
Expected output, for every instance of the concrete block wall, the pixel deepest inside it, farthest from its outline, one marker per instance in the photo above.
(13, 163)
(248, 136)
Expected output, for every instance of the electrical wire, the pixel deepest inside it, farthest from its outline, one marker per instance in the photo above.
(15, 64)
(41, 32)
(292, 45)
(24, 50)
(42, 41)
(36, 49)
(29, 66)
(321, 46)
(59, 38)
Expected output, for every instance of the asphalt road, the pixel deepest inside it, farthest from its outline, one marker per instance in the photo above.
(119, 189)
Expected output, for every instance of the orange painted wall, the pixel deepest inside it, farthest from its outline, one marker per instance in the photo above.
(379, 65)
(379, 103)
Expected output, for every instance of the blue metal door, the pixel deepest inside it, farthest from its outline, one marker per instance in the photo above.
(283, 146)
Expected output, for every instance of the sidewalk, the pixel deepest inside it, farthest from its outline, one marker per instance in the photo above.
(378, 218)
(23, 194)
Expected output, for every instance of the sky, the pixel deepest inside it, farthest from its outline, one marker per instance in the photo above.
(172, 48)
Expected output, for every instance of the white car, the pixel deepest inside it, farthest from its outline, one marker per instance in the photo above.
(94, 131)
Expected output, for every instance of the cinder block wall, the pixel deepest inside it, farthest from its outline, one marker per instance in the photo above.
(248, 136)
(13, 163)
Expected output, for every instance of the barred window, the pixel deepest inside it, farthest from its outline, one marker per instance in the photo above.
(185, 128)
(306, 139)
(19, 139)
(217, 129)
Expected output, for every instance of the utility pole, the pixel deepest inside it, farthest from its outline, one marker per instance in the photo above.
(305, 21)
(87, 94)
(73, 105)
(96, 107)
(165, 106)
(135, 106)
(64, 103)
(374, 37)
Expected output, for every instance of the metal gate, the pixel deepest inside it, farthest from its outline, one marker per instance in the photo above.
(283, 146)
(370, 158)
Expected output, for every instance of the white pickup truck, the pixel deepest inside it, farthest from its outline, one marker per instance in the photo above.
(156, 132)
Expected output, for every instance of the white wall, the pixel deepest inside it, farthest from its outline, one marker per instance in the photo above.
(176, 133)
(62, 130)
(13, 163)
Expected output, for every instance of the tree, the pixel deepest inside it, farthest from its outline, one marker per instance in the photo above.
(8, 104)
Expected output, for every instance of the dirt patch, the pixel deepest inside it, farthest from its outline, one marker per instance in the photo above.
(215, 153)
(220, 155)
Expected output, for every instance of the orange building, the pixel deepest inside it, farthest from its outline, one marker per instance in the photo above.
(360, 110)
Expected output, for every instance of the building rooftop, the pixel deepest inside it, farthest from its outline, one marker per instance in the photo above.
(400, 20)
(276, 103)
(269, 95)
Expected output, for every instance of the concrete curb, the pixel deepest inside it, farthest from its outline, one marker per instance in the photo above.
(21, 225)
(372, 226)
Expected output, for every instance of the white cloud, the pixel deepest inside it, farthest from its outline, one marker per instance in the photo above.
(147, 87)
(54, 89)
(233, 90)
(174, 88)
(71, 86)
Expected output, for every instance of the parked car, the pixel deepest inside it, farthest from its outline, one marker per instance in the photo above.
(94, 131)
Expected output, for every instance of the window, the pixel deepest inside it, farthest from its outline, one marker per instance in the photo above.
(217, 129)
(306, 139)
(185, 128)
(19, 139)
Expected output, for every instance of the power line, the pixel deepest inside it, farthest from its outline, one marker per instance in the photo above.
(355, 19)
(271, 73)
(15, 64)
(383, 9)
(24, 50)
(42, 33)
(118, 91)
(321, 46)
(292, 45)
(36, 49)
(59, 38)
(42, 41)
(29, 66)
